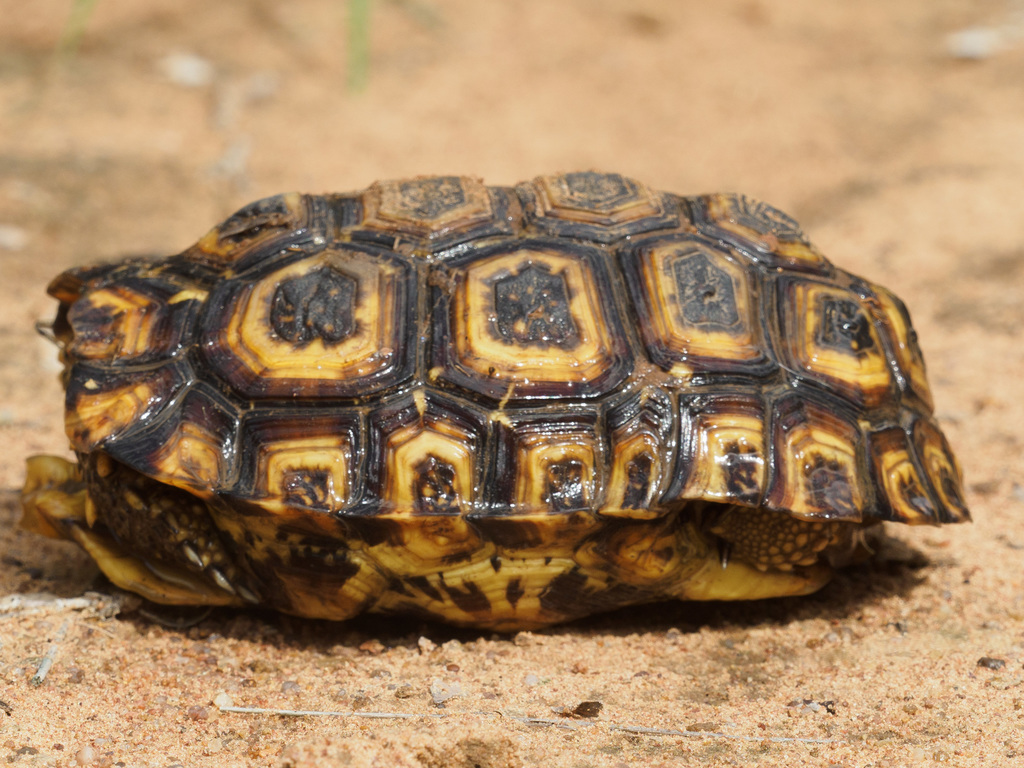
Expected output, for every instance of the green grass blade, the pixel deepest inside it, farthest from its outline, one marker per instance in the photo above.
(74, 29)
(358, 44)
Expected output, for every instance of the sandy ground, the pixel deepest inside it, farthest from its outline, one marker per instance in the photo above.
(903, 160)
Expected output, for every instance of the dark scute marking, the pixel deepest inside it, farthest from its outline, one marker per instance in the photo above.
(951, 489)
(844, 326)
(563, 486)
(470, 599)
(308, 488)
(602, 191)
(562, 595)
(435, 487)
(316, 305)
(513, 591)
(740, 468)
(912, 492)
(429, 198)
(95, 324)
(829, 486)
(270, 213)
(495, 563)
(765, 218)
(532, 307)
(638, 474)
(326, 559)
(511, 533)
(707, 297)
(399, 587)
(423, 585)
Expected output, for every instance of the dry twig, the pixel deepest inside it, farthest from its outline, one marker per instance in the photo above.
(51, 654)
(531, 721)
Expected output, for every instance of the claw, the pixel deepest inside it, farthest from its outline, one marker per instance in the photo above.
(45, 329)
(724, 551)
(193, 556)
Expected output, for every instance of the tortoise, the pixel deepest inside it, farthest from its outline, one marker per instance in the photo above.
(497, 407)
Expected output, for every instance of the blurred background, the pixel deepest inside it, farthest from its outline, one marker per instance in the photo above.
(893, 131)
(140, 124)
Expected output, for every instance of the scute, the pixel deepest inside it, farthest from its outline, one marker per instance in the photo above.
(724, 455)
(698, 308)
(828, 335)
(192, 446)
(641, 432)
(300, 459)
(765, 233)
(601, 207)
(424, 478)
(817, 455)
(104, 404)
(529, 322)
(334, 324)
(259, 226)
(440, 210)
(495, 406)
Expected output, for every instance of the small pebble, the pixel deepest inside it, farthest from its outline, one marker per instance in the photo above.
(373, 647)
(441, 691)
(974, 43)
(12, 238)
(223, 699)
(290, 686)
(989, 662)
(1017, 492)
(531, 679)
(197, 713)
(705, 727)
(187, 69)
(426, 645)
(799, 707)
(85, 756)
(587, 709)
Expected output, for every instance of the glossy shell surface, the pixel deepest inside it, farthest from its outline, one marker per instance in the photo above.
(385, 398)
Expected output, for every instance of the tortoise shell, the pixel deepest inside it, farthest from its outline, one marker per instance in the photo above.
(493, 406)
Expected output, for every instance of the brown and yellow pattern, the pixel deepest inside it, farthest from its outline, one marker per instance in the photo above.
(499, 407)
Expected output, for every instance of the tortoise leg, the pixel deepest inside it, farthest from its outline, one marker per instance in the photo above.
(738, 580)
(53, 499)
(764, 553)
(55, 503)
(771, 540)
